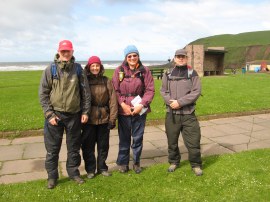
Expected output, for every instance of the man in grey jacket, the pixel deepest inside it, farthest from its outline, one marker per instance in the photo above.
(65, 99)
(181, 87)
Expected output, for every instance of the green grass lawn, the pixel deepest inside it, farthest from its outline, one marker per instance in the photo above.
(20, 109)
(236, 40)
(242, 176)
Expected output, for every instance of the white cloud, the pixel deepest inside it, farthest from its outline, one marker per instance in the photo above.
(101, 19)
(31, 30)
(33, 26)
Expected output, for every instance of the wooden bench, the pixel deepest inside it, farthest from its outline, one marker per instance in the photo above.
(157, 73)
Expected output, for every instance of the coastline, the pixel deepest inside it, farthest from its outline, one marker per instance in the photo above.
(30, 66)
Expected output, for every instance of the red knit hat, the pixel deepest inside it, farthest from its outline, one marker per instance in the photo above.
(94, 59)
(65, 45)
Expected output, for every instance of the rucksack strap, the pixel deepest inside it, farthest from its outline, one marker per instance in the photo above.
(177, 78)
(190, 72)
(138, 75)
(78, 69)
(54, 70)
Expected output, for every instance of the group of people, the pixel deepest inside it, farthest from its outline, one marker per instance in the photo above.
(85, 105)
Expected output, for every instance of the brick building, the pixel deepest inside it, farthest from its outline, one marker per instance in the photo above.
(208, 61)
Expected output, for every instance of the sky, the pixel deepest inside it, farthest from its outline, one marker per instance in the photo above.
(30, 30)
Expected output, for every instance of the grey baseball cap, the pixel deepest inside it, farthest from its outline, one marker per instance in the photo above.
(181, 52)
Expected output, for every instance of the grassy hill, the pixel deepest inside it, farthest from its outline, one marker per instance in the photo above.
(242, 48)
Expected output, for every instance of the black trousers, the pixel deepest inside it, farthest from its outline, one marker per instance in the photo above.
(92, 135)
(53, 135)
(188, 126)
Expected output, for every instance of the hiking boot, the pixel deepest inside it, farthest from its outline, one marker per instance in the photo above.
(123, 169)
(198, 171)
(90, 175)
(51, 183)
(78, 180)
(137, 168)
(105, 173)
(172, 168)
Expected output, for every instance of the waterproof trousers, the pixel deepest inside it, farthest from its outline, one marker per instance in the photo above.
(130, 126)
(53, 135)
(93, 135)
(188, 126)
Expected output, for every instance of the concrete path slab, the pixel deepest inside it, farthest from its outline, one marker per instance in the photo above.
(34, 151)
(114, 140)
(206, 123)
(229, 129)
(155, 135)
(259, 145)
(261, 134)
(209, 131)
(238, 148)
(4, 142)
(28, 140)
(248, 126)
(161, 127)
(252, 119)
(264, 124)
(11, 152)
(224, 121)
(150, 151)
(231, 140)
(113, 152)
(22, 166)
(214, 149)
(23, 177)
(205, 140)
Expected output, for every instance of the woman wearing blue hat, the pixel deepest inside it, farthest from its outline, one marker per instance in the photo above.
(135, 90)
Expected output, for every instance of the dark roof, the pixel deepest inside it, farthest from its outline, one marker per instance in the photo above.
(216, 51)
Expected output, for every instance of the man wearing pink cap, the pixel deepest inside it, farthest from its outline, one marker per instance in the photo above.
(65, 99)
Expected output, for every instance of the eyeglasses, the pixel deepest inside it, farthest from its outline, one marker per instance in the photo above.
(180, 56)
(134, 56)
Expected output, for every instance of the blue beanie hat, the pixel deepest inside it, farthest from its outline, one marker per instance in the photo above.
(130, 49)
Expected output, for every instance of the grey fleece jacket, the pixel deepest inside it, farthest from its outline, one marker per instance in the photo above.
(177, 85)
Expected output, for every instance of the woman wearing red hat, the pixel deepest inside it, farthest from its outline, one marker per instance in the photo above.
(102, 118)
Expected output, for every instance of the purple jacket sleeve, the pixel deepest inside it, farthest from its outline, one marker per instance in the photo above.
(149, 88)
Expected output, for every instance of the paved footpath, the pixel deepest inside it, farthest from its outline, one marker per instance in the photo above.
(22, 159)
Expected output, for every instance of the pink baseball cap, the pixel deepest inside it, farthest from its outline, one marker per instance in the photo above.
(65, 45)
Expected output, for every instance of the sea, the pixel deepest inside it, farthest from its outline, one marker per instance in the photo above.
(31, 66)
